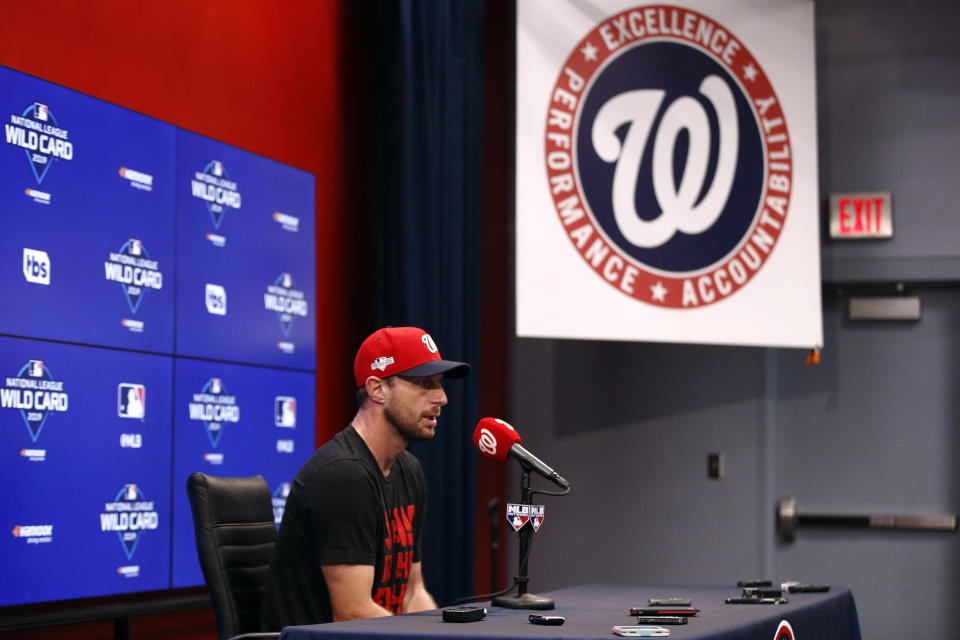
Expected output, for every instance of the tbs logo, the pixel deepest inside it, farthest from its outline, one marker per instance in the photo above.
(216, 300)
(36, 266)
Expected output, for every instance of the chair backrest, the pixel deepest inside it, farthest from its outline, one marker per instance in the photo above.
(234, 526)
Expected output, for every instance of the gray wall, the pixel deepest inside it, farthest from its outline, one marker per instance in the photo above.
(870, 430)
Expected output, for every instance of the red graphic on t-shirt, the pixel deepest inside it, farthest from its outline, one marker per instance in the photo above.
(398, 559)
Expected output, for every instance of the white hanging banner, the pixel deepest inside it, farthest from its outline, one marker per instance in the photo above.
(666, 175)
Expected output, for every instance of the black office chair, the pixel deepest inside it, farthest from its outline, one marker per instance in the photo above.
(233, 522)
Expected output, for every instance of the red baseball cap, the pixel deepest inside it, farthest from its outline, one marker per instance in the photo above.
(407, 350)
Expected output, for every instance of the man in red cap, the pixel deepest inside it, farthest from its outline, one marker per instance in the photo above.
(349, 543)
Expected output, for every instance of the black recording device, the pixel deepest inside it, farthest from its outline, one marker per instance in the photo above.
(664, 611)
(757, 595)
(464, 614)
(755, 600)
(669, 602)
(661, 620)
(553, 621)
(754, 583)
(808, 588)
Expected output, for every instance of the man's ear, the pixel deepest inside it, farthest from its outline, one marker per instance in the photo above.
(376, 389)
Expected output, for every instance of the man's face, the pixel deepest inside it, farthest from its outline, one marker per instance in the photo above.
(413, 405)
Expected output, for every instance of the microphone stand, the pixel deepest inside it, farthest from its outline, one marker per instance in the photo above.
(524, 600)
(493, 511)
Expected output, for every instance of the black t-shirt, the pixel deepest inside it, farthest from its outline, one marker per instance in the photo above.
(342, 510)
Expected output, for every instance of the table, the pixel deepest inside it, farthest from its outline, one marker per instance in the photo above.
(591, 610)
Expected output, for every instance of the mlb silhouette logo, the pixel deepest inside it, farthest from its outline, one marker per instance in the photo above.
(217, 168)
(136, 247)
(285, 412)
(287, 281)
(285, 490)
(216, 385)
(536, 516)
(35, 369)
(40, 111)
(130, 492)
(518, 515)
(131, 400)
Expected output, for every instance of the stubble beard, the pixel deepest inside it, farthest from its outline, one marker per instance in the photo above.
(409, 430)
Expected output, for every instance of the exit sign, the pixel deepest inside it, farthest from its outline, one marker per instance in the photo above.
(861, 215)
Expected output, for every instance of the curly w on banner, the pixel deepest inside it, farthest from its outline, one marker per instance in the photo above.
(667, 172)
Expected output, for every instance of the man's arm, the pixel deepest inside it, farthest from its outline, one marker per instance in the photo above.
(350, 586)
(417, 597)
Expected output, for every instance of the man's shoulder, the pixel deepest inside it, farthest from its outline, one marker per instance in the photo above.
(411, 467)
(338, 456)
(409, 461)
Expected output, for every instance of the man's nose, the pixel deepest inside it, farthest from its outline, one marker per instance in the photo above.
(442, 396)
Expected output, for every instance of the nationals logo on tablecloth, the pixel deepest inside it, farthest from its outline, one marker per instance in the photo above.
(784, 631)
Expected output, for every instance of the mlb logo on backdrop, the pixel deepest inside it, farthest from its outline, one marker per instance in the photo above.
(40, 111)
(35, 368)
(285, 411)
(666, 172)
(131, 400)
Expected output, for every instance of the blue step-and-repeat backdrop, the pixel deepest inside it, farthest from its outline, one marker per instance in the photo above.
(157, 319)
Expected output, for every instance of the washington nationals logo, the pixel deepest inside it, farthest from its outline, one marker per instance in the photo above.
(784, 631)
(668, 157)
(487, 442)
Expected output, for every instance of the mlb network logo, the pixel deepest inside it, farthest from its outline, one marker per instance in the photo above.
(285, 411)
(131, 400)
(36, 266)
(216, 300)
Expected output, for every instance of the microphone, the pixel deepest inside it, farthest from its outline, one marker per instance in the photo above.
(496, 439)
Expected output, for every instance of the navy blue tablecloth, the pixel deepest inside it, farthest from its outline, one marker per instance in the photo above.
(591, 610)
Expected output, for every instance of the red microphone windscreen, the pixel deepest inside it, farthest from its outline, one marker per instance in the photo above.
(494, 437)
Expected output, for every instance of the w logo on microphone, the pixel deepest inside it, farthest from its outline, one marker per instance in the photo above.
(487, 443)
(668, 157)
(494, 438)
